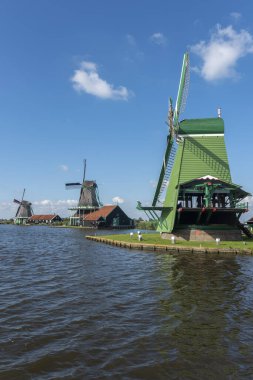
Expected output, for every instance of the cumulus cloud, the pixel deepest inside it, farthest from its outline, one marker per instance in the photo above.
(158, 39)
(47, 206)
(118, 200)
(221, 53)
(248, 214)
(249, 200)
(86, 79)
(7, 206)
(55, 203)
(64, 168)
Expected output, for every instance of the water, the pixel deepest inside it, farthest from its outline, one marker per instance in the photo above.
(71, 308)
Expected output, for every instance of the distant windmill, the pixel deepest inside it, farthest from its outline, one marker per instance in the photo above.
(24, 210)
(88, 199)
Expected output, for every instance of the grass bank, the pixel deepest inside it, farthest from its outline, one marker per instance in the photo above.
(154, 241)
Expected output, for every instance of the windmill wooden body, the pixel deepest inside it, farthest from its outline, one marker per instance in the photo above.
(88, 200)
(201, 201)
(24, 210)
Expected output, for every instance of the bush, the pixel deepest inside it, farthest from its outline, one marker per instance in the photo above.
(146, 224)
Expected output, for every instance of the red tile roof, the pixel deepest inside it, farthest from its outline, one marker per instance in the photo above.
(43, 217)
(102, 212)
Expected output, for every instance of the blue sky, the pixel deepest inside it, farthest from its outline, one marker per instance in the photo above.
(91, 79)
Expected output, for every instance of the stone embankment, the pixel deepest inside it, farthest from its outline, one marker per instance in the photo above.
(171, 248)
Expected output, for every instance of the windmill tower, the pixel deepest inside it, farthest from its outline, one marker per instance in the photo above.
(24, 210)
(201, 202)
(88, 199)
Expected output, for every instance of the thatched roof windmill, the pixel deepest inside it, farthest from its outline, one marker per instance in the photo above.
(24, 210)
(88, 200)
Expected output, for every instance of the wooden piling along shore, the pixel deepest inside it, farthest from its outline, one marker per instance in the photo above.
(168, 248)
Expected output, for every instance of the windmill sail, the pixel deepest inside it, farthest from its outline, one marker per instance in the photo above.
(84, 169)
(173, 116)
(182, 89)
(160, 184)
(165, 171)
(73, 185)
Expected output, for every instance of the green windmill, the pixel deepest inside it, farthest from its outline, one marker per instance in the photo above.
(201, 202)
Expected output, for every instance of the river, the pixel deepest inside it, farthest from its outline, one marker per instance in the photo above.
(71, 308)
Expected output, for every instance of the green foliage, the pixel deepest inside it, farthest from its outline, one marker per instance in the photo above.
(6, 221)
(146, 224)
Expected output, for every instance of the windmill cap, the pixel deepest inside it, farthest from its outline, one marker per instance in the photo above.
(201, 126)
(90, 183)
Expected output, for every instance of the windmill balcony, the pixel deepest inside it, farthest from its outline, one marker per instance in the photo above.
(199, 201)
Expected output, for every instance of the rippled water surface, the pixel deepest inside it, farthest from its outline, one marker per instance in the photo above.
(75, 309)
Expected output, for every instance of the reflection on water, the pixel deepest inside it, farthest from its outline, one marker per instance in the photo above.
(208, 315)
(75, 309)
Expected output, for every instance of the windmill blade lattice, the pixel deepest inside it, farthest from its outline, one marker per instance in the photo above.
(23, 196)
(182, 89)
(173, 117)
(186, 87)
(168, 170)
(164, 168)
(73, 185)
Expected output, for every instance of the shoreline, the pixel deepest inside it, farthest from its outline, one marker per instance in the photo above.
(170, 248)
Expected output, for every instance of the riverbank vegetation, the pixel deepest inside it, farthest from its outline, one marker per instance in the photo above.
(141, 224)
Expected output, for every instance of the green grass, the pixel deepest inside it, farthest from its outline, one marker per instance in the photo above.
(155, 238)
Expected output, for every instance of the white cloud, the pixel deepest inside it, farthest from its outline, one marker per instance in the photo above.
(118, 200)
(87, 80)
(248, 214)
(221, 53)
(89, 66)
(45, 202)
(47, 206)
(153, 183)
(235, 16)
(249, 199)
(64, 168)
(133, 52)
(158, 39)
(55, 203)
(131, 40)
(7, 206)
